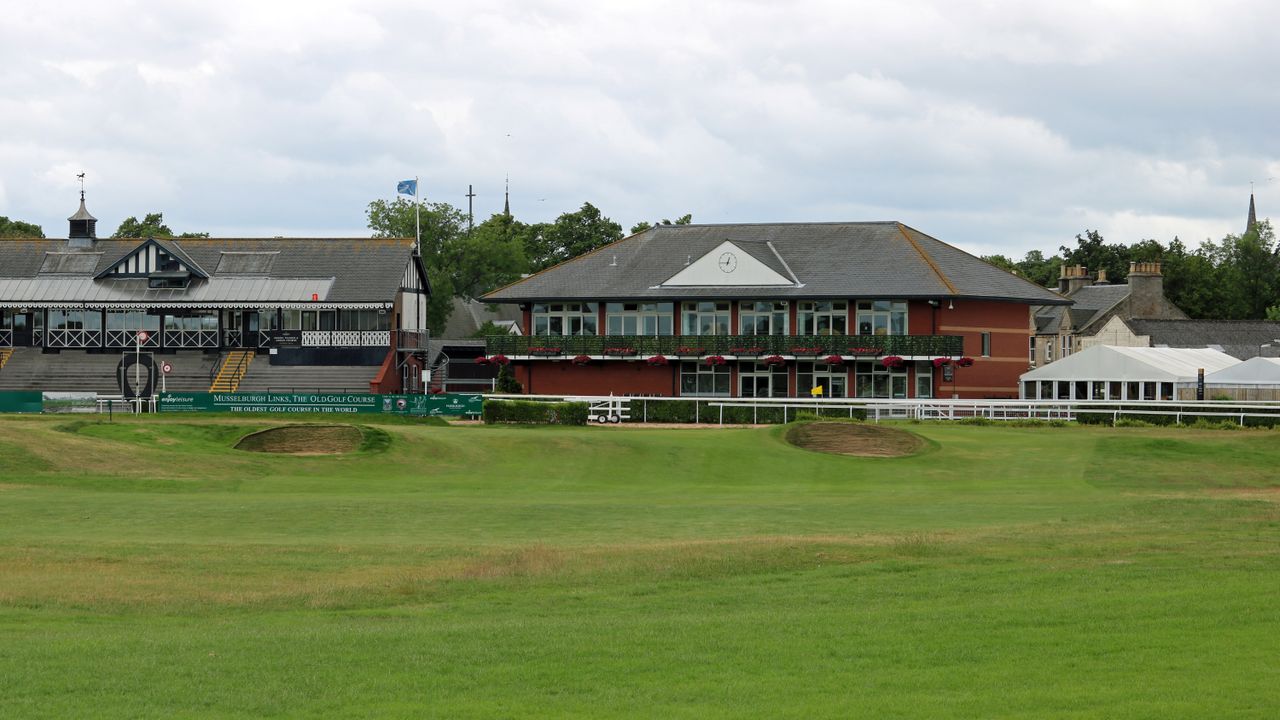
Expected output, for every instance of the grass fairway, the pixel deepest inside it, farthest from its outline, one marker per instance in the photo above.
(147, 569)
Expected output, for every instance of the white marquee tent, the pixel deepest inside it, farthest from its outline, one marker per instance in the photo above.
(1257, 378)
(1104, 372)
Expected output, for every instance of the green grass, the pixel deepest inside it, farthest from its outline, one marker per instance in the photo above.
(149, 570)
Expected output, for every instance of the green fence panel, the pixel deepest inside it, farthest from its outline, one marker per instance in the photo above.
(453, 404)
(21, 402)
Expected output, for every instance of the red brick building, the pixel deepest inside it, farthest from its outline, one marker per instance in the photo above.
(862, 309)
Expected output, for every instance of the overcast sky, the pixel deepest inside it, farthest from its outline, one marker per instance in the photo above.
(996, 126)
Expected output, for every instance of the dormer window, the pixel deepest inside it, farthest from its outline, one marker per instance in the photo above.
(168, 280)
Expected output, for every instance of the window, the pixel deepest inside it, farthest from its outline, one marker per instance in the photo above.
(873, 379)
(564, 318)
(705, 318)
(823, 318)
(649, 319)
(197, 320)
(833, 379)
(761, 380)
(882, 317)
(762, 318)
(75, 320)
(168, 283)
(924, 380)
(986, 344)
(697, 379)
(1031, 344)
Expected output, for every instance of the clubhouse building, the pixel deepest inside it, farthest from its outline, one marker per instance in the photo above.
(871, 309)
(299, 303)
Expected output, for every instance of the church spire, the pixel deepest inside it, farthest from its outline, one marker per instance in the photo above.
(1253, 216)
(506, 199)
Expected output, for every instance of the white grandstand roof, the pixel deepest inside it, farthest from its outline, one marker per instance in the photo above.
(1106, 362)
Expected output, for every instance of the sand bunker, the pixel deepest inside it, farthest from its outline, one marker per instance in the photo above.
(304, 440)
(854, 439)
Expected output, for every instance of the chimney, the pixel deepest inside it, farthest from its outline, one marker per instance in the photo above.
(1102, 278)
(1146, 291)
(1073, 278)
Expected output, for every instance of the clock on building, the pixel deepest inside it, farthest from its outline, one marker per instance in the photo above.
(728, 262)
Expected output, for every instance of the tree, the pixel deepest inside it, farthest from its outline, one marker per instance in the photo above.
(643, 225)
(571, 235)
(1038, 269)
(458, 264)
(1001, 262)
(151, 226)
(1092, 252)
(19, 229)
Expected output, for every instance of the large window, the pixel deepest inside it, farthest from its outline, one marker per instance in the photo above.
(75, 320)
(834, 379)
(206, 320)
(697, 379)
(874, 380)
(705, 318)
(367, 320)
(761, 380)
(762, 318)
(639, 318)
(924, 380)
(882, 317)
(564, 318)
(823, 318)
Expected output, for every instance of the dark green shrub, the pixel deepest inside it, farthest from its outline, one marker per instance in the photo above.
(527, 412)
(507, 383)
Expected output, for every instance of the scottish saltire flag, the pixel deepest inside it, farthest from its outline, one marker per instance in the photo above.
(407, 187)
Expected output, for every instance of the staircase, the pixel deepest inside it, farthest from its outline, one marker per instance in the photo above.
(265, 377)
(5, 354)
(439, 374)
(232, 371)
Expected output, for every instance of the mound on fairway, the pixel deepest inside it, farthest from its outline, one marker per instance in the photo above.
(854, 439)
(304, 440)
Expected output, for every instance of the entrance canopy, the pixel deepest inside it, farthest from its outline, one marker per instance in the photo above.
(1105, 362)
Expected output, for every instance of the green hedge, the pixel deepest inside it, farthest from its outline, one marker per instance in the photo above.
(705, 412)
(535, 413)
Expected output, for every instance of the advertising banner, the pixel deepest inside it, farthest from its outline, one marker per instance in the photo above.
(21, 402)
(347, 403)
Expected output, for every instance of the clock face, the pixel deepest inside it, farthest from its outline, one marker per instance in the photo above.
(728, 262)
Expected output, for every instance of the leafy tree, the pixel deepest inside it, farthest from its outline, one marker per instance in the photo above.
(457, 263)
(19, 229)
(151, 226)
(1040, 270)
(643, 225)
(571, 235)
(1001, 262)
(1094, 253)
(488, 328)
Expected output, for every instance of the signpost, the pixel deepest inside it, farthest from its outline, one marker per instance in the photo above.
(139, 338)
(165, 369)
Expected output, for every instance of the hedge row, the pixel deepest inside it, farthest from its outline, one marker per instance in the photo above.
(535, 413)
(706, 412)
(1188, 418)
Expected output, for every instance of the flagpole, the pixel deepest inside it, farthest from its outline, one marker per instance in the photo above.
(417, 217)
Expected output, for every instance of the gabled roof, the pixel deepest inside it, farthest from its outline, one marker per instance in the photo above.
(829, 260)
(1105, 362)
(344, 270)
(1088, 304)
(1240, 338)
(1254, 371)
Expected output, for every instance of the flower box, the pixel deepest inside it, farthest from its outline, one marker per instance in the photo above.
(746, 350)
(657, 360)
(619, 351)
(541, 350)
(872, 351)
(714, 360)
(807, 350)
(687, 350)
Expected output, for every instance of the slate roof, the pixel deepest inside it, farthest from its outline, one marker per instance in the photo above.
(1239, 338)
(469, 315)
(830, 260)
(340, 270)
(1088, 303)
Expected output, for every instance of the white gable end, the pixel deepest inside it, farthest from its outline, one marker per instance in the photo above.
(728, 266)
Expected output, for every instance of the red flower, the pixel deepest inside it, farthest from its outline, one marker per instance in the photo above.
(833, 360)
(774, 360)
(500, 359)
(964, 362)
(657, 360)
(939, 362)
(713, 360)
(482, 360)
(892, 361)
(581, 359)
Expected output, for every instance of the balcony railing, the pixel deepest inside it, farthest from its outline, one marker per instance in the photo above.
(741, 346)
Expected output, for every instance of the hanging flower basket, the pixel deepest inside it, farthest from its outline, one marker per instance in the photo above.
(833, 360)
(774, 360)
(964, 362)
(581, 359)
(713, 360)
(500, 359)
(482, 360)
(939, 362)
(657, 360)
(892, 361)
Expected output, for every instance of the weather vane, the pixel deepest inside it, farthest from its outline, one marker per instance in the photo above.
(81, 177)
